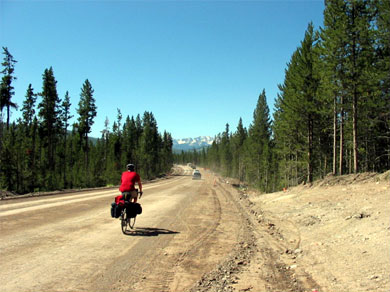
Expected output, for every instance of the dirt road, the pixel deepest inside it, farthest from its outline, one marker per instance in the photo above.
(200, 235)
(69, 242)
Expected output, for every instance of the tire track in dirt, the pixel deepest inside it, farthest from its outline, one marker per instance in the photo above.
(206, 233)
(177, 263)
(278, 275)
(221, 278)
(262, 247)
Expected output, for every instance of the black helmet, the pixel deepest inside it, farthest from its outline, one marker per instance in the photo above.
(130, 167)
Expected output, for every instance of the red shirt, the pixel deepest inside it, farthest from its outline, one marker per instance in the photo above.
(128, 180)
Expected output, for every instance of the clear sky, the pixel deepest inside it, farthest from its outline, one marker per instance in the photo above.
(196, 65)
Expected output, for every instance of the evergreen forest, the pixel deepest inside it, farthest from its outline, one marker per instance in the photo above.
(332, 113)
(331, 116)
(42, 151)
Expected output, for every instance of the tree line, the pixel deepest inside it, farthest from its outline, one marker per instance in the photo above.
(42, 151)
(332, 112)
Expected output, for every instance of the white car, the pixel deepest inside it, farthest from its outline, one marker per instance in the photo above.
(196, 174)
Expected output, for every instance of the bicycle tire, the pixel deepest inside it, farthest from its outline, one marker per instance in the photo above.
(131, 222)
(124, 221)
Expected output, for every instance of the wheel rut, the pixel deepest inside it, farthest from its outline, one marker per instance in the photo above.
(259, 246)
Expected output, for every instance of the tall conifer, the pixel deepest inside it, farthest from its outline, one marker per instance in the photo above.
(87, 111)
(259, 135)
(49, 125)
(6, 88)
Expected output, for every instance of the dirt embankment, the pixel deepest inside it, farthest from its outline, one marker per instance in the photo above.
(332, 236)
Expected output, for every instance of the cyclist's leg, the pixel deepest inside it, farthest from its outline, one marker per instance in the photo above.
(134, 196)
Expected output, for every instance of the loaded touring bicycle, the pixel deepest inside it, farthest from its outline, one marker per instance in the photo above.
(126, 211)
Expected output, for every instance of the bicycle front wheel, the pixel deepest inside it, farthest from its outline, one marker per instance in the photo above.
(131, 222)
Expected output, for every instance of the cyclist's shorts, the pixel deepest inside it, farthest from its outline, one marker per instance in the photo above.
(132, 194)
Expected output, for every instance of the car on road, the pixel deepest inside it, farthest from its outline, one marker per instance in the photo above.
(196, 174)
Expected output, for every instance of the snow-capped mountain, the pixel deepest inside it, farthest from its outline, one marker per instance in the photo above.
(192, 143)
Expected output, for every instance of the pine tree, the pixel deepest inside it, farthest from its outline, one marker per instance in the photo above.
(129, 141)
(334, 36)
(299, 110)
(214, 154)
(381, 126)
(238, 140)
(87, 111)
(6, 88)
(149, 146)
(28, 108)
(307, 84)
(226, 155)
(166, 152)
(259, 134)
(282, 149)
(348, 40)
(29, 141)
(65, 117)
(118, 140)
(8, 161)
(105, 137)
(359, 52)
(49, 125)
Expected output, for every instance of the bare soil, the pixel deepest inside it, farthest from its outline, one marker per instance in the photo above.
(332, 236)
(202, 235)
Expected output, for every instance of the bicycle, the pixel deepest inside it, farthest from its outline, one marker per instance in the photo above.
(128, 215)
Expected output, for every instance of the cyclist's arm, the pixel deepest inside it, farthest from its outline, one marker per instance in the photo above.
(140, 185)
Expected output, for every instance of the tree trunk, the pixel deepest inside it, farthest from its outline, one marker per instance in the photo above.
(33, 166)
(335, 135)
(355, 98)
(64, 165)
(1, 130)
(86, 152)
(325, 166)
(310, 151)
(350, 154)
(296, 167)
(341, 136)
(354, 130)
(8, 113)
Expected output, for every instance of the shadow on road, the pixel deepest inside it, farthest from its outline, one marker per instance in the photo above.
(144, 231)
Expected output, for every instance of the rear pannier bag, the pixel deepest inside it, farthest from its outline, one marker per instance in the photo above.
(138, 208)
(113, 207)
(116, 210)
(120, 200)
(133, 209)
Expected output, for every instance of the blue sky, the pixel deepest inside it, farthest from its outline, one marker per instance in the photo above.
(196, 65)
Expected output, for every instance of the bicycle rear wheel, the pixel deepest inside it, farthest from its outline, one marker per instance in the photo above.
(124, 221)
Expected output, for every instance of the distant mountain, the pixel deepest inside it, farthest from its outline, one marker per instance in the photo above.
(192, 143)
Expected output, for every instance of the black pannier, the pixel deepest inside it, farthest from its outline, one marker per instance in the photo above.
(138, 208)
(116, 210)
(133, 209)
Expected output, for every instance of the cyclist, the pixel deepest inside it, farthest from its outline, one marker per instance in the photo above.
(128, 181)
